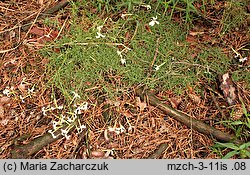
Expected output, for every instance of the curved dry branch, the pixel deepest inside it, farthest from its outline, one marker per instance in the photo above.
(187, 120)
(26, 151)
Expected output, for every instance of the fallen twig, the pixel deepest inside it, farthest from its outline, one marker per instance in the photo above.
(28, 26)
(26, 151)
(48, 12)
(187, 120)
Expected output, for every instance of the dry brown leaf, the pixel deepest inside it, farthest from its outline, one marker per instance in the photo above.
(40, 2)
(175, 102)
(228, 88)
(141, 105)
(4, 100)
(1, 112)
(127, 114)
(207, 38)
(97, 154)
(43, 35)
(22, 87)
(75, 140)
(191, 39)
(195, 33)
(195, 99)
(37, 31)
(148, 28)
(127, 36)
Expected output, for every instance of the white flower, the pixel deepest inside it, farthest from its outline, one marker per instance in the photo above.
(148, 7)
(111, 129)
(31, 90)
(124, 15)
(6, 91)
(75, 95)
(123, 61)
(53, 135)
(77, 111)
(44, 111)
(80, 129)
(60, 107)
(154, 21)
(54, 123)
(119, 130)
(157, 68)
(83, 106)
(99, 28)
(119, 53)
(22, 98)
(64, 133)
(67, 137)
(82, 126)
(242, 60)
(99, 35)
(237, 55)
(70, 120)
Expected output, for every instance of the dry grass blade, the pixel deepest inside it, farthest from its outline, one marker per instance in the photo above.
(8, 50)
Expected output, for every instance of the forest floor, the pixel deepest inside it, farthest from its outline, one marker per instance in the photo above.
(41, 84)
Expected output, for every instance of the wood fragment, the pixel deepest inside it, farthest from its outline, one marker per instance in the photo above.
(56, 8)
(26, 151)
(158, 152)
